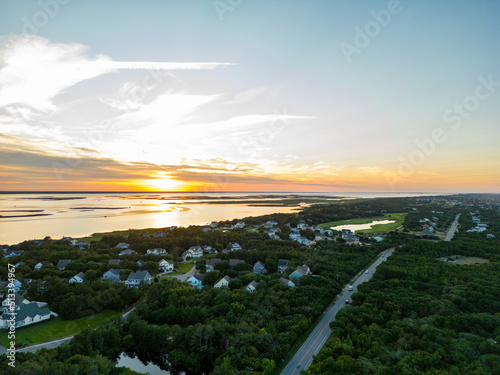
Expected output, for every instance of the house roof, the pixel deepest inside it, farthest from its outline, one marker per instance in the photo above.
(139, 275)
(198, 277)
(127, 252)
(234, 262)
(114, 261)
(284, 281)
(113, 271)
(213, 262)
(63, 263)
(283, 262)
(253, 284)
(25, 310)
(259, 262)
(18, 299)
(81, 275)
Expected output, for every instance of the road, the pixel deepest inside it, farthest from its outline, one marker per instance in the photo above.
(453, 229)
(304, 356)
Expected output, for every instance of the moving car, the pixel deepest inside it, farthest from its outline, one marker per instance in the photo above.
(350, 287)
(367, 271)
(346, 301)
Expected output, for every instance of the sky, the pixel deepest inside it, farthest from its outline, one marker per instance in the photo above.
(239, 95)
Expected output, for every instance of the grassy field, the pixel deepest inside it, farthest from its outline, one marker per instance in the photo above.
(398, 217)
(56, 329)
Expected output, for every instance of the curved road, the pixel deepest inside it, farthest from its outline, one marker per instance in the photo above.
(304, 356)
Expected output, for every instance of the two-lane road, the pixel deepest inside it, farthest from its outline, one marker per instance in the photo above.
(453, 229)
(304, 356)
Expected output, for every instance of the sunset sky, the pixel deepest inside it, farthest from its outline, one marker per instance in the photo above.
(251, 95)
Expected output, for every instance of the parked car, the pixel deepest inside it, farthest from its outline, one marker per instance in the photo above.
(346, 301)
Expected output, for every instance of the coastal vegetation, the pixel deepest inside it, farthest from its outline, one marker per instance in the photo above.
(399, 321)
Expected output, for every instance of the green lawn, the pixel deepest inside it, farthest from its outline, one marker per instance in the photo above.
(398, 217)
(182, 268)
(56, 329)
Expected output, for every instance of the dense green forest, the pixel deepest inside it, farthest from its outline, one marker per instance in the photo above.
(421, 315)
(418, 314)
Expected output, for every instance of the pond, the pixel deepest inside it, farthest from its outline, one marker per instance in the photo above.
(137, 365)
(355, 227)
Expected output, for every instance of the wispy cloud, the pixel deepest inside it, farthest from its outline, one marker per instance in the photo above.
(33, 70)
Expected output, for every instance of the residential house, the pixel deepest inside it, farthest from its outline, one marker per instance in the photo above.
(17, 300)
(234, 262)
(300, 271)
(166, 265)
(224, 282)
(127, 252)
(114, 262)
(196, 281)
(490, 235)
(122, 245)
(319, 237)
(214, 224)
(78, 278)
(63, 263)
(259, 267)
(286, 282)
(157, 251)
(428, 230)
(17, 284)
(282, 265)
(112, 275)
(137, 278)
(210, 264)
(193, 252)
(82, 245)
(207, 249)
(71, 240)
(233, 246)
(43, 264)
(13, 253)
(252, 286)
(270, 224)
(207, 229)
(326, 231)
(26, 314)
(352, 240)
(159, 234)
(146, 235)
(239, 224)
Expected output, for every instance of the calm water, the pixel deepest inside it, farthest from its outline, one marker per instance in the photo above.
(355, 227)
(78, 215)
(137, 365)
